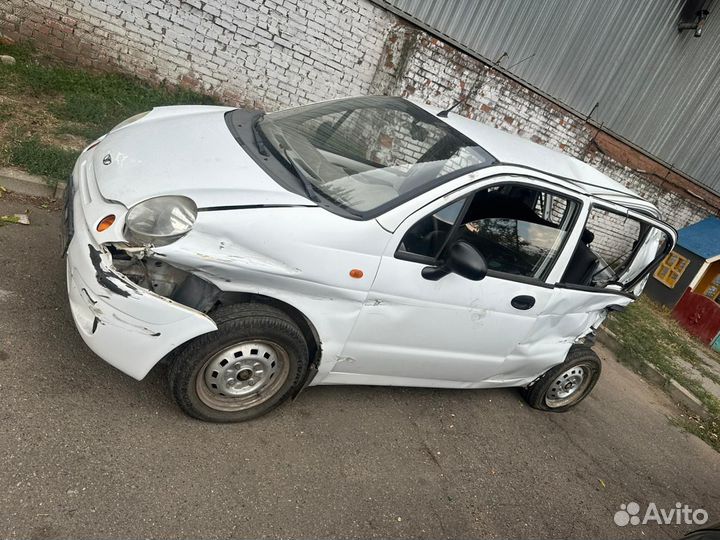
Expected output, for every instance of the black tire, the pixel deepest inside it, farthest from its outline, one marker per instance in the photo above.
(240, 326)
(546, 393)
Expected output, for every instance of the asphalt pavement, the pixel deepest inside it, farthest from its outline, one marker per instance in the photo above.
(88, 452)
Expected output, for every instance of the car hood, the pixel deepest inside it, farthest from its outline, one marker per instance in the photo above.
(184, 150)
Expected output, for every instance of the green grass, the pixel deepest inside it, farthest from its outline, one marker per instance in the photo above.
(646, 333)
(70, 102)
(43, 159)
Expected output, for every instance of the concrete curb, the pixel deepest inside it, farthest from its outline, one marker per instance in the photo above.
(677, 392)
(27, 184)
(682, 395)
(607, 338)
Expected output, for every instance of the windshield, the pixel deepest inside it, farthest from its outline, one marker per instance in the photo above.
(367, 153)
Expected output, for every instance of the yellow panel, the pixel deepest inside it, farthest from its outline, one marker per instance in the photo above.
(671, 269)
(712, 275)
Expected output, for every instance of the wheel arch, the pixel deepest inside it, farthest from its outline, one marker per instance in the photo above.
(310, 333)
(585, 344)
(204, 296)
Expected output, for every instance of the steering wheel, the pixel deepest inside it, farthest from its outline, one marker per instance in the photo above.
(433, 233)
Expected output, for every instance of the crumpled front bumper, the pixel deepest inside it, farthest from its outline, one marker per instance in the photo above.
(129, 327)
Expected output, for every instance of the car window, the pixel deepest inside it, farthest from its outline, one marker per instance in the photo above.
(375, 136)
(429, 235)
(518, 229)
(614, 249)
(614, 237)
(367, 154)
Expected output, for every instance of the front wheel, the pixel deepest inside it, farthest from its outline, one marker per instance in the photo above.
(567, 384)
(252, 364)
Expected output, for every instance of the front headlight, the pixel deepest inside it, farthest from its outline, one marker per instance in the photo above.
(161, 220)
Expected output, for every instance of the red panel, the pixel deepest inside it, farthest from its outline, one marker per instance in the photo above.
(698, 315)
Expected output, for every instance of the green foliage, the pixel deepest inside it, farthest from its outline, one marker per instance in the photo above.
(646, 333)
(43, 159)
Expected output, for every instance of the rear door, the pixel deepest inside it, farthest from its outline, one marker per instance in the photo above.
(625, 246)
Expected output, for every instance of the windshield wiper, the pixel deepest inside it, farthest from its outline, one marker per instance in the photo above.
(300, 173)
(296, 167)
(258, 136)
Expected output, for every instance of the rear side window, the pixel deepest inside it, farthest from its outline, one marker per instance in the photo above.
(613, 250)
(614, 237)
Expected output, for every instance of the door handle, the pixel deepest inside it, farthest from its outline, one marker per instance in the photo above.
(523, 302)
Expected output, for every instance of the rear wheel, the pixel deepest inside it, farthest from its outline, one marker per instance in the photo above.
(252, 364)
(567, 384)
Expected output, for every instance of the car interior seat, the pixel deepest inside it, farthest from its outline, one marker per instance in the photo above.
(583, 262)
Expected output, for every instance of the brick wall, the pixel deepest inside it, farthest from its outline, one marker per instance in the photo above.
(275, 53)
(421, 67)
(272, 53)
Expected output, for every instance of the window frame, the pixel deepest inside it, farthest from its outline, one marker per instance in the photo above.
(663, 264)
(640, 240)
(531, 182)
(642, 218)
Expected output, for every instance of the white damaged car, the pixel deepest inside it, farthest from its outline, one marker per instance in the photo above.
(356, 241)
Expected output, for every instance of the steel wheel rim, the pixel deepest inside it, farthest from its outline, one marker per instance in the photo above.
(569, 386)
(242, 375)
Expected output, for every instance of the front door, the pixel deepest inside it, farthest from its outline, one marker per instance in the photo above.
(457, 332)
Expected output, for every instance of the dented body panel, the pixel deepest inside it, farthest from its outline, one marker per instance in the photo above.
(255, 240)
(129, 327)
(307, 267)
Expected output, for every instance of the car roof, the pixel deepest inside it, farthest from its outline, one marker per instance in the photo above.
(512, 149)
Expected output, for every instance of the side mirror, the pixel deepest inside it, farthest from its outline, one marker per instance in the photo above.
(463, 259)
